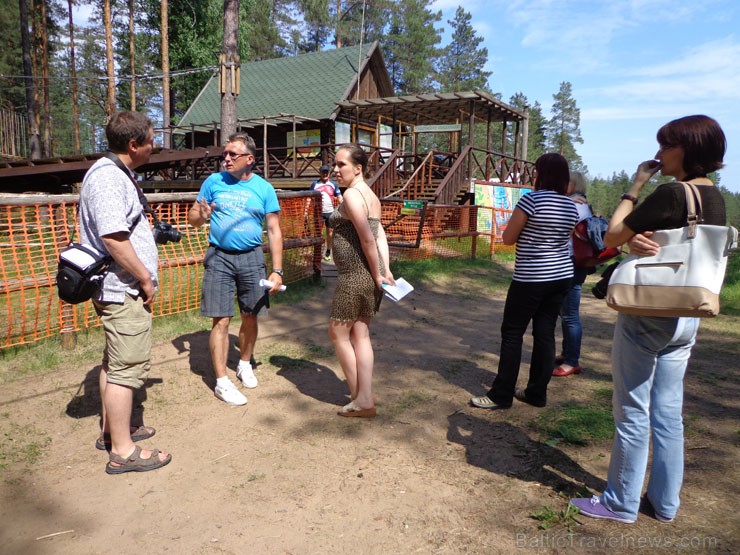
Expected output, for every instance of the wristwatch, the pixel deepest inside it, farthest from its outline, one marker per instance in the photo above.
(627, 196)
(278, 272)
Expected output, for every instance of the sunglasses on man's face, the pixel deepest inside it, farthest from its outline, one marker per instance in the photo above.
(233, 155)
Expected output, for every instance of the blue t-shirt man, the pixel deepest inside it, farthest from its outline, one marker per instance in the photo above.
(240, 209)
(237, 202)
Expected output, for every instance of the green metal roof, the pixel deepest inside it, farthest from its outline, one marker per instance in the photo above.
(308, 85)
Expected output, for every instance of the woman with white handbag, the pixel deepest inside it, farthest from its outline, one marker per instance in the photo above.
(649, 353)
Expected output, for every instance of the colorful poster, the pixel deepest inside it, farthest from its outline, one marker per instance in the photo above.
(502, 199)
(305, 140)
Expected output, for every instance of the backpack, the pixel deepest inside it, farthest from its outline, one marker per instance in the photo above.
(588, 243)
(80, 272)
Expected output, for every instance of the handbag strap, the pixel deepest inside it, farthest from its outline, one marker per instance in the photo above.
(693, 199)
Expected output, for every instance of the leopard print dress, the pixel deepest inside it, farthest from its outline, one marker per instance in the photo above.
(356, 295)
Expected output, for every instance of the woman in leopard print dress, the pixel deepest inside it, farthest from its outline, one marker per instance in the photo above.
(361, 254)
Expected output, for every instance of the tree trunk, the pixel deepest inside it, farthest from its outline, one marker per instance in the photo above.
(35, 47)
(45, 80)
(167, 142)
(339, 19)
(110, 102)
(131, 51)
(30, 84)
(75, 107)
(229, 69)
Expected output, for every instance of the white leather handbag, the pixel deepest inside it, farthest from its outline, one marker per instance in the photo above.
(684, 278)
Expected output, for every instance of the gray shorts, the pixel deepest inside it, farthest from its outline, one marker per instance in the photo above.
(228, 274)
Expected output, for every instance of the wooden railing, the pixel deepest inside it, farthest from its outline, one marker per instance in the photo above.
(386, 178)
(455, 182)
(496, 167)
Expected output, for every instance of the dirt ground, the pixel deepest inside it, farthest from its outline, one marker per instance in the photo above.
(285, 475)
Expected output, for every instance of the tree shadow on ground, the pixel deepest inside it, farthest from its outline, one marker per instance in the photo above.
(86, 400)
(504, 449)
(199, 355)
(312, 379)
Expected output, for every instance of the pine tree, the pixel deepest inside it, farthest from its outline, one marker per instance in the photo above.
(537, 125)
(12, 92)
(351, 23)
(317, 24)
(411, 46)
(462, 61)
(563, 128)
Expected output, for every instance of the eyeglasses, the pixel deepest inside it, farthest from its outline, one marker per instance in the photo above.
(233, 155)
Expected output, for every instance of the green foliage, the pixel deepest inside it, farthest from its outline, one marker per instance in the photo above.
(462, 61)
(732, 206)
(411, 46)
(549, 517)
(349, 21)
(318, 24)
(537, 128)
(12, 92)
(564, 126)
(730, 296)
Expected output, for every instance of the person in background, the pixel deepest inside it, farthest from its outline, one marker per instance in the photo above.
(329, 190)
(237, 202)
(650, 354)
(567, 362)
(362, 258)
(540, 225)
(112, 220)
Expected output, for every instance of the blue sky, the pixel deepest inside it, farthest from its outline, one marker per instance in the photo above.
(634, 65)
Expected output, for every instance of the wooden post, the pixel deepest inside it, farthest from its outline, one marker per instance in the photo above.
(295, 153)
(265, 154)
(473, 226)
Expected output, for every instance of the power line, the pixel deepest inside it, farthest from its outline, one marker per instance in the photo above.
(142, 77)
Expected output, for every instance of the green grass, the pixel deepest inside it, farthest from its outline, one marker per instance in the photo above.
(577, 423)
(47, 354)
(730, 296)
(21, 445)
(484, 271)
(549, 517)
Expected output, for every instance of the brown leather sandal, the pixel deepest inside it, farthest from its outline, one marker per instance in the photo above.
(134, 462)
(141, 433)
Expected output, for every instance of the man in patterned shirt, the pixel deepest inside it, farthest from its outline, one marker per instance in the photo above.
(112, 221)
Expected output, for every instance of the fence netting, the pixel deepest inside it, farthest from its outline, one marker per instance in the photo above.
(32, 233)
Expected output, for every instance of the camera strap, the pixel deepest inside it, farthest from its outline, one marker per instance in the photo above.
(144, 202)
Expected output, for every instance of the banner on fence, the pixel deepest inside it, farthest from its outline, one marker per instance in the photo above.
(501, 199)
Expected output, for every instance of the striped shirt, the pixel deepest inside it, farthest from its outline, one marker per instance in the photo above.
(542, 247)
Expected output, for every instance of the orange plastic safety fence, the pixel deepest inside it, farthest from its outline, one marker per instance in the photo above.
(441, 232)
(31, 237)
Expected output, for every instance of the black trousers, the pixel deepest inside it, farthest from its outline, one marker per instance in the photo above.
(539, 303)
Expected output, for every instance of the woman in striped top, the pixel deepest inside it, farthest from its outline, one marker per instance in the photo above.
(541, 226)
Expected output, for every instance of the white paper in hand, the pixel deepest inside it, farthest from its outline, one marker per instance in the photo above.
(398, 291)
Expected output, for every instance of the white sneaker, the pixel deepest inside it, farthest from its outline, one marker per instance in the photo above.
(245, 373)
(228, 393)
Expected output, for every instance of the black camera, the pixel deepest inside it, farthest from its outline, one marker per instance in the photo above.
(599, 290)
(165, 233)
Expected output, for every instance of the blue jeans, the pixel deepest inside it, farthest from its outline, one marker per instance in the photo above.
(571, 319)
(538, 302)
(649, 358)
